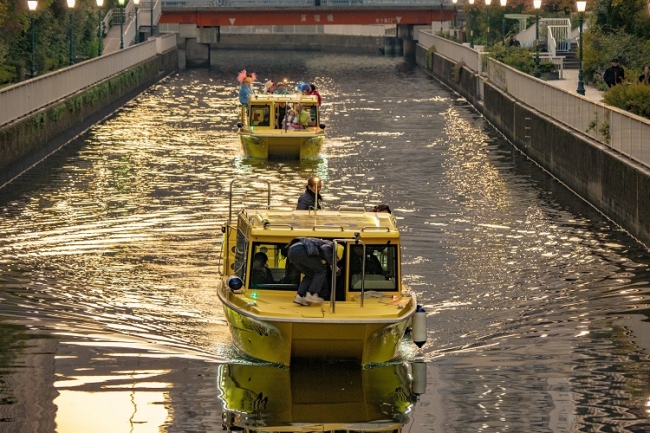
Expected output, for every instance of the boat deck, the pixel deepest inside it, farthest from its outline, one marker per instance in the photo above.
(279, 306)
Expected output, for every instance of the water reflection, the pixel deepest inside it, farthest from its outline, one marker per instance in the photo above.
(538, 306)
(331, 397)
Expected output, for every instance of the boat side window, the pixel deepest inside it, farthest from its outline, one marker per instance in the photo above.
(260, 115)
(277, 273)
(380, 267)
(241, 250)
(313, 111)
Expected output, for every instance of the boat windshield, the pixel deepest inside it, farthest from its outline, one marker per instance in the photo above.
(271, 270)
(380, 271)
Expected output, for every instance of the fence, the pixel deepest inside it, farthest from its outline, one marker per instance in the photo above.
(29, 96)
(617, 129)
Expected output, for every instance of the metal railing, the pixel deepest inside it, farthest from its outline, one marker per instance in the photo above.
(29, 96)
(617, 129)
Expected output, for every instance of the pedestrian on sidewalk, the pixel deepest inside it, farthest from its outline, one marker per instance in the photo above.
(614, 74)
(644, 78)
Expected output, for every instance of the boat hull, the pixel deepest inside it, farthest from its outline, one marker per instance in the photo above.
(304, 145)
(362, 341)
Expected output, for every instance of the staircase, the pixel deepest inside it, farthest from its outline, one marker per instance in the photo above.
(571, 59)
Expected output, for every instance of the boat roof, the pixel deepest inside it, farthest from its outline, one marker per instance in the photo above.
(261, 98)
(344, 222)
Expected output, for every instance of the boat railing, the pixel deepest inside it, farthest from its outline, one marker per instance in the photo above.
(360, 209)
(271, 226)
(338, 228)
(249, 181)
(375, 229)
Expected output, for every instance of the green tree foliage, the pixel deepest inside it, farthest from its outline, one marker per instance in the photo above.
(52, 30)
(617, 28)
(634, 98)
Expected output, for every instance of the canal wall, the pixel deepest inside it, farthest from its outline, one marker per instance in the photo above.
(32, 138)
(616, 186)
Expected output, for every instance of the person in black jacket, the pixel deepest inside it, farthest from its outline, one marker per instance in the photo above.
(308, 200)
(614, 74)
(308, 255)
(645, 77)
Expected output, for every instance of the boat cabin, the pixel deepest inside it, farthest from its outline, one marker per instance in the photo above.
(257, 249)
(265, 111)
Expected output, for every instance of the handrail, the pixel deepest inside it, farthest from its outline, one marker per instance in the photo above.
(323, 227)
(375, 228)
(268, 225)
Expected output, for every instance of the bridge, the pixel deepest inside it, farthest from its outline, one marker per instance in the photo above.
(221, 13)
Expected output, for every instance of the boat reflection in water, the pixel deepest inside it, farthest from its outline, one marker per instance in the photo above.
(311, 397)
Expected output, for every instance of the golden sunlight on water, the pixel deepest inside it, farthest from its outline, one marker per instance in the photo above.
(109, 253)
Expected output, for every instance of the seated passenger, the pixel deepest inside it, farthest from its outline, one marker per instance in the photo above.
(373, 266)
(291, 121)
(260, 273)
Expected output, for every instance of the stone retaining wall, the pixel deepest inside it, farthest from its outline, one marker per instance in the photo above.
(30, 140)
(613, 184)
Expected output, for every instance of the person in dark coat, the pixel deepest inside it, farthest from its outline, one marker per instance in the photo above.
(644, 78)
(307, 255)
(614, 74)
(311, 198)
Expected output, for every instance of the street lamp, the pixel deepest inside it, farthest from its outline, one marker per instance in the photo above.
(471, 31)
(455, 15)
(121, 2)
(581, 5)
(31, 4)
(537, 4)
(100, 32)
(487, 35)
(70, 7)
(153, 3)
(503, 22)
(137, 32)
(441, 2)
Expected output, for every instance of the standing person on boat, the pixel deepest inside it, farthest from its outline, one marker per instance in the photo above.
(315, 93)
(269, 87)
(280, 89)
(280, 113)
(311, 198)
(245, 89)
(381, 208)
(307, 255)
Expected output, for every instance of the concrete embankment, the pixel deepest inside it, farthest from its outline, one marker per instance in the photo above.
(613, 184)
(32, 138)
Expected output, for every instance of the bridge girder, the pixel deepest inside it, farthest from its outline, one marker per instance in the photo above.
(209, 17)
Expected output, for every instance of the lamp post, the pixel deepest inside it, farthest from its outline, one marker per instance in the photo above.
(487, 35)
(581, 5)
(471, 31)
(455, 15)
(503, 22)
(441, 2)
(71, 7)
(31, 4)
(137, 31)
(100, 32)
(537, 4)
(153, 3)
(121, 2)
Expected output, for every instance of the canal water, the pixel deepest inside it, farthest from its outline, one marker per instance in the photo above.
(109, 321)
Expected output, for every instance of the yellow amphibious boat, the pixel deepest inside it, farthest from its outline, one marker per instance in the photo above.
(264, 135)
(324, 397)
(369, 309)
